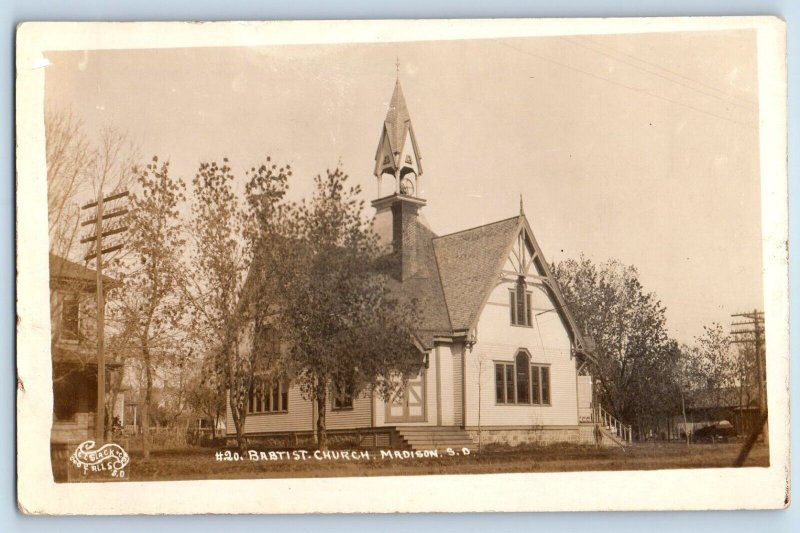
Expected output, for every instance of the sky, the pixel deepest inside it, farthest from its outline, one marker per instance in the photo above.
(642, 148)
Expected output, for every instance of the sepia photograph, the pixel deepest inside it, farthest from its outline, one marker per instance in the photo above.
(422, 257)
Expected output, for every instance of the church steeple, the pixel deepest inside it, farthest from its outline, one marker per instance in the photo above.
(397, 162)
(398, 156)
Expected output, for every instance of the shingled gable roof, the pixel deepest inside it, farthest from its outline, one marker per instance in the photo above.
(469, 265)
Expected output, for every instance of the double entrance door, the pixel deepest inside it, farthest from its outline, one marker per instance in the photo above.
(409, 405)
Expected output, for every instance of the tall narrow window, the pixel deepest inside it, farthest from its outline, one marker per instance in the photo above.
(545, 385)
(276, 397)
(536, 397)
(510, 384)
(500, 382)
(520, 304)
(521, 298)
(523, 378)
(528, 314)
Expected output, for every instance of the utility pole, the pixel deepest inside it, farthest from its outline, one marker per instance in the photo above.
(102, 231)
(751, 332)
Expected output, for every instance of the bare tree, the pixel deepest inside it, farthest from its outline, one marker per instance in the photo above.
(78, 167)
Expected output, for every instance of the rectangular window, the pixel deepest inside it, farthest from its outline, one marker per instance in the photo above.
(500, 382)
(504, 382)
(528, 314)
(546, 385)
(70, 317)
(272, 398)
(520, 303)
(540, 384)
(510, 383)
(342, 399)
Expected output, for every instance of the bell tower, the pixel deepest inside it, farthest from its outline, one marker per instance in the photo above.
(397, 160)
(398, 169)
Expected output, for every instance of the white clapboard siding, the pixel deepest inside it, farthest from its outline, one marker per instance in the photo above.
(360, 416)
(548, 343)
(456, 355)
(444, 359)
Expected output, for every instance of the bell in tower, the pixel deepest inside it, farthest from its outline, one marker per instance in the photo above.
(397, 163)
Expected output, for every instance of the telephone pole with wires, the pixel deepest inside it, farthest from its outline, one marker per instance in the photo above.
(99, 218)
(750, 331)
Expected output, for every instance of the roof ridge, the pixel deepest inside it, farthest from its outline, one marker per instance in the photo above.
(478, 227)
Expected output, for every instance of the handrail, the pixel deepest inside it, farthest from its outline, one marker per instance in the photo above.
(611, 423)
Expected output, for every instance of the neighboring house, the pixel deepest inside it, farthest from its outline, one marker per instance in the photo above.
(72, 317)
(505, 361)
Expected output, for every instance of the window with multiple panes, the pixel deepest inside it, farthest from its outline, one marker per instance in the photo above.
(70, 317)
(520, 303)
(520, 382)
(271, 397)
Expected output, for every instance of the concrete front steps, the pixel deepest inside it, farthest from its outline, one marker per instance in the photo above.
(434, 438)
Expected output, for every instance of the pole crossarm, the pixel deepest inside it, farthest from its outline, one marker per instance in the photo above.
(97, 250)
(109, 198)
(106, 233)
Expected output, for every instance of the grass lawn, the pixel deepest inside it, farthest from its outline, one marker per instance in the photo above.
(202, 463)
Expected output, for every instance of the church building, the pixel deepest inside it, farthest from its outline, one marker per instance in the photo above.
(504, 359)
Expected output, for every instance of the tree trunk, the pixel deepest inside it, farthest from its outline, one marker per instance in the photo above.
(322, 435)
(239, 417)
(148, 395)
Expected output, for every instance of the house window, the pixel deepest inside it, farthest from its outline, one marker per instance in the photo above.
(272, 397)
(70, 317)
(522, 383)
(520, 300)
(342, 398)
(540, 384)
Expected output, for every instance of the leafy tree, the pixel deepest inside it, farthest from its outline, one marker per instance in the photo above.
(636, 358)
(226, 236)
(152, 308)
(345, 331)
(713, 365)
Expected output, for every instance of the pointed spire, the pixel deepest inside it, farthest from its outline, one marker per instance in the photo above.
(521, 210)
(397, 150)
(397, 119)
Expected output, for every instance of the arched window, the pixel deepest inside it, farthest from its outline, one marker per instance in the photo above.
(523, 371)
(521, 381)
